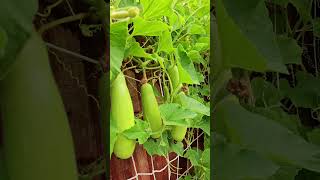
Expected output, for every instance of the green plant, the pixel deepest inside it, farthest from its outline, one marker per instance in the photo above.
(167, 44)
(261, 88)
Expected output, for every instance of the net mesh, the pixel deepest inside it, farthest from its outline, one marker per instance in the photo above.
(173, 171)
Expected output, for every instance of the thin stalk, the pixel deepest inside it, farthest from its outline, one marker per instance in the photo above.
(62, 21)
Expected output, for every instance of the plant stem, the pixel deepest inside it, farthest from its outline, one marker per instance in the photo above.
(57, 22)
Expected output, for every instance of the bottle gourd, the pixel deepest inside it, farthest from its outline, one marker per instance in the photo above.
(122, 112)
(178, 132)
(151, 111)
(37, 141)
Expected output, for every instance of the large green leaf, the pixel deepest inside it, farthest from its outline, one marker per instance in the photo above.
(307, 91)
(156, 8)
(174, 114)
(165, 42)
(134, 49)
(291, 122)
(265, 93)
(231, 162)
(148, 28)
(291, 52)
(265, 136)
(186, 68)
(314, 136)
(285, 173)
(16, 23)
(196, 29)
(304, 8)
(193, 105)
(246, 36)
(141, 131)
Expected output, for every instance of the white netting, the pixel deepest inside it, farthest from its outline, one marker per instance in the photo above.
(169, 166)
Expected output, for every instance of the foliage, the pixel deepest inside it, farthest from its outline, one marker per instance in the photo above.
(164, 34)
(261, 85)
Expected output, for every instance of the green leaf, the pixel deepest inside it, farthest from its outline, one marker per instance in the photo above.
(188, 177)
(205, 90)
(193, 105)
(205, 158)
(219, 82)
(186, 68)
(194, 156)
(164, 141)
(285, 173)
(304, 8)
(140, 131)
(156, 8)
(291, 122)
(154, 148)
(270, 138)
(314, 136)
(134, 49)
(118, 38)
(246, 36)
(232, 162)
(200, 77)
(148, 28)
(201, 47)
(160, 60)
(16, 21)
(176, 20)
(291, 52)
(126, 3)
(196, 29)
(195, 56)
(174, 114)
(203, 123)
(265, 93)
(204, 39)
(177, 148)
(165, 42)
(306, 93)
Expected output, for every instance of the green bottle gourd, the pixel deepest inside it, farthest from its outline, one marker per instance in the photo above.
(122, 112)
(178, 132)
(151, 111)
(133, 11)
(119, 14)
(37, 141)
(166, 94)
(174, 76)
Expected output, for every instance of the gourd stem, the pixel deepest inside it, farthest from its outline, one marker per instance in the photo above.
(61, 21)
